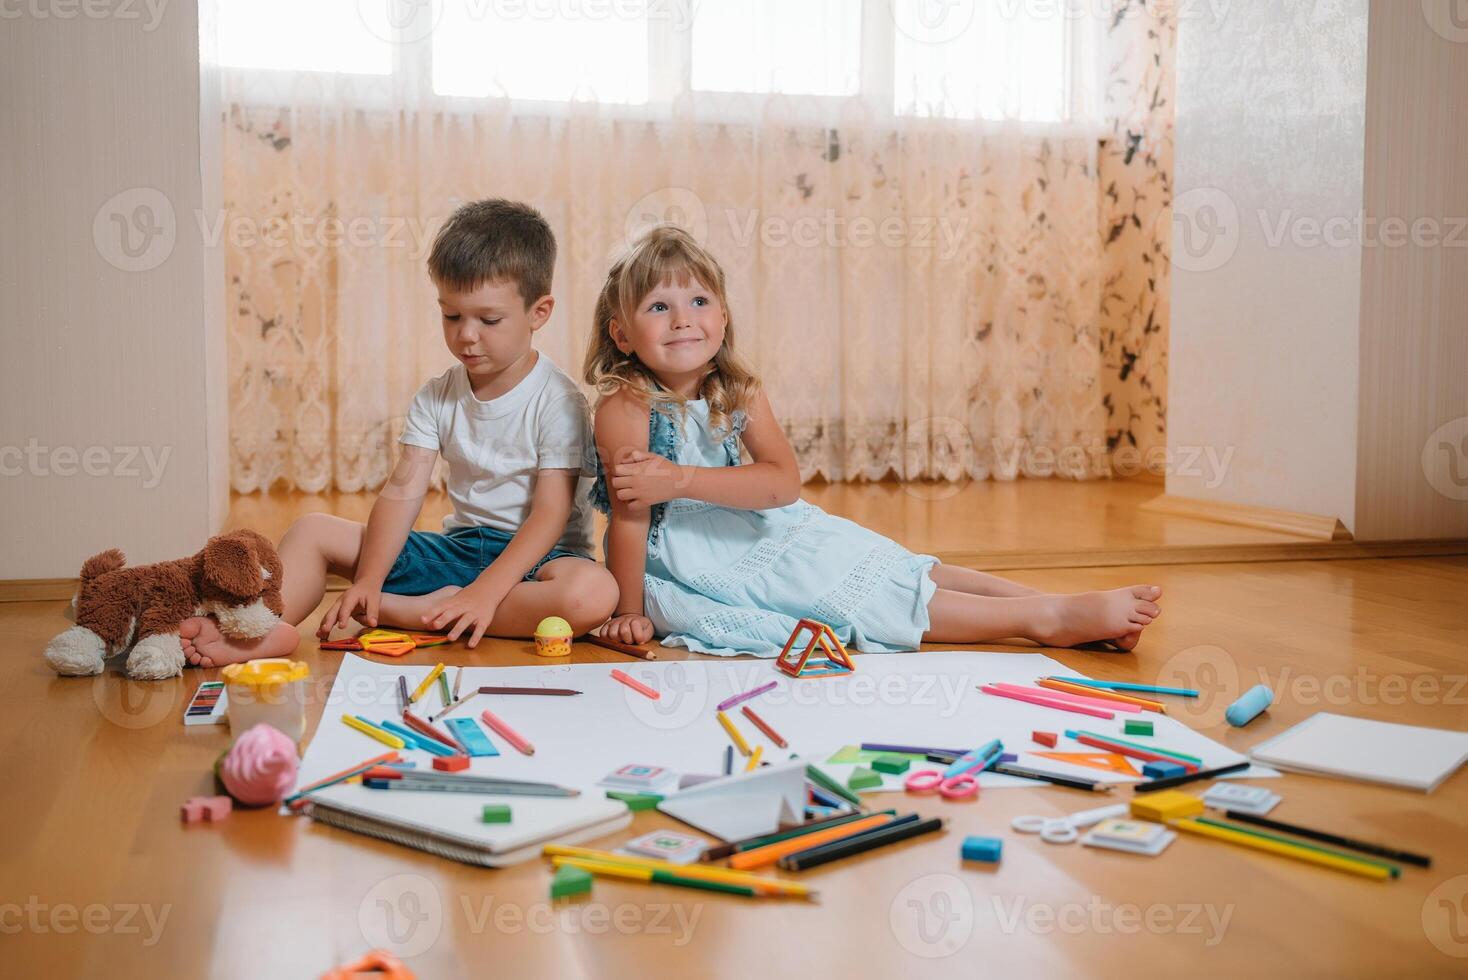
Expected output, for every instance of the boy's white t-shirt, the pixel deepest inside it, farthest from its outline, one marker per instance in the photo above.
(495, 448)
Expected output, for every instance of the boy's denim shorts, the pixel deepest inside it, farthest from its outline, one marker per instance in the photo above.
(429, 561)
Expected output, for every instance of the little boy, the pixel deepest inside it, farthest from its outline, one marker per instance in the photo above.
(516, 434)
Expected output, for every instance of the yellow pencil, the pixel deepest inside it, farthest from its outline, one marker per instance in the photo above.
(386, 738)
(1283, 849)
(773, 886)
(422, 688)
(734, 736)
(754, 759)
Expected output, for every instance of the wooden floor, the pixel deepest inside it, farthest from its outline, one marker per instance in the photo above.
(99, 878)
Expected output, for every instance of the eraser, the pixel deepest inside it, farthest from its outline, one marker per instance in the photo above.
(986, 849)
(1247, 708)
(1133, 727)
(1162, 770)
(891, 764)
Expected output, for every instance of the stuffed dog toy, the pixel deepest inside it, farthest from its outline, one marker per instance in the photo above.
(235, 579)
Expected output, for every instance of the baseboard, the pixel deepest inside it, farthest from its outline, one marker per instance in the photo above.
(1313, 526)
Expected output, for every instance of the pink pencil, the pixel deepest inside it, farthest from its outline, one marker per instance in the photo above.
(506, 732)
(1045, 692)
(636, 685)
(1079, 709)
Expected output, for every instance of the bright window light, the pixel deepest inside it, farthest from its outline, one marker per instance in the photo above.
(1006, 59)
(800, 47)
(543, 51)
(290, 35)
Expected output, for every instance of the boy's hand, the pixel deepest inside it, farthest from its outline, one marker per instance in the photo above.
(642, 479)
(628, 628)
(471, 608)
(359, 595)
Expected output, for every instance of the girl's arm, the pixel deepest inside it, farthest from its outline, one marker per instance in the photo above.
(621, 432)
(772, 480)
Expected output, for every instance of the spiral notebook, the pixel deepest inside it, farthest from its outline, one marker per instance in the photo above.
(1374, 751)
(450, 825)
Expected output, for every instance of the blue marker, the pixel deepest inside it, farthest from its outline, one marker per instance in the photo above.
(979, 758)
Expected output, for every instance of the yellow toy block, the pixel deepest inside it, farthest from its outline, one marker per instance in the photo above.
(1169, 804)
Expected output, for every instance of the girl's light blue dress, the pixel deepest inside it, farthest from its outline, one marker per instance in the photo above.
(726, 581)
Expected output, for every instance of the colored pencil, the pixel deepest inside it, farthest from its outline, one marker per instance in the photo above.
(1146, 755)
(403, 698)
(1182, 756)
(899, 830)
(720, 851)
(458, 682)
(760, 857)
(909, 749)
(635, 684)
(507, 733)
(1145, 704)
(453, 705)
(372, 731)
(773, 886)
(1182, 692)
(728, 759)
(484, 789)
(831, 786)
(759, 723)
(342, 776)
(426, 683)
(1168, 782)
(655, 877)
(728, 703)
(630, 649)
(1079, 709)
(754, 756)
(1059, 779)
(443, 690)
(430, 745)
(424, 728)
(1391, 854)
(1391, 869)
(1075, 698)
(734, 735)
(1299, 853)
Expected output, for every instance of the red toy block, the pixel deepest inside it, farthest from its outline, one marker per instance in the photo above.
(1044, 738)
(210, 808)
(451, 763)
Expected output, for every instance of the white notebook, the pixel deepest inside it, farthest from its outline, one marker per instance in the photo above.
(450, 824)
(1375, 751)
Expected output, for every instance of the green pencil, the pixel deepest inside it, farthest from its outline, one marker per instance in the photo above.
(1395, 871)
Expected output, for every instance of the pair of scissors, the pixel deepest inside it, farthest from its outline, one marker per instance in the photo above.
(960, 780)
(1066, 830)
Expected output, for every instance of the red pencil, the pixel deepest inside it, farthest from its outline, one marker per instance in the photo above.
(1127, 750)
(635, 684)
(295, 799)
(506, 732)
(424, 728)
(770, 733)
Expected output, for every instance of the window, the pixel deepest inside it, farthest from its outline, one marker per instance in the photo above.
(1028, 60)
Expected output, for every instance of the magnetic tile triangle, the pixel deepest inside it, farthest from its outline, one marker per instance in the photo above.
(1107, 761)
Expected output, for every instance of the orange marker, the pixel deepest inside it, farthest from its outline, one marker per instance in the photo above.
(761, 857)
(635, 684)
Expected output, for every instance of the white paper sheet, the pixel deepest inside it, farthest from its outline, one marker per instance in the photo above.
(926, 698)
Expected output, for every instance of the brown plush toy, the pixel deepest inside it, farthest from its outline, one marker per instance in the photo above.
(235, 579)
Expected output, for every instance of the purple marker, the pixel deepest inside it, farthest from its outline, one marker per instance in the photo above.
(728, 703)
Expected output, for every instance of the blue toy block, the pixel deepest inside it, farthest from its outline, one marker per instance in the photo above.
(986, 849)
(1161, 770)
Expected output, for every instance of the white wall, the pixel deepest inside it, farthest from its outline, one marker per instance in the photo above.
(1271, 102)
(106, 433)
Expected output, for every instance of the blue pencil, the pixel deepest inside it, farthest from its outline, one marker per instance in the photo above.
(1182, 692)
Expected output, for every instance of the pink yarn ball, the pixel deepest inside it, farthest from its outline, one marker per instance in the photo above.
(260, 768)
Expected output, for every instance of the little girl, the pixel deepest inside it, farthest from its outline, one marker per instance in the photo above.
(723, 556)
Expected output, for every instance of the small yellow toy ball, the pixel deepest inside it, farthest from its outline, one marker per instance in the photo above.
(553, 637)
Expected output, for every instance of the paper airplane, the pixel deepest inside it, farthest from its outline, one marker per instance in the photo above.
(745, 804)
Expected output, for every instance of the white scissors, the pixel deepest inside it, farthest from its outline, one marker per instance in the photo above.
(1065, 830)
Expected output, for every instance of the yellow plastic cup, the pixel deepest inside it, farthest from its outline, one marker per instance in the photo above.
(270, 692)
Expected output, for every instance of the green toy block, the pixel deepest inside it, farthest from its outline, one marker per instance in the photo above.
(863, 779)
(570, 881)
(635, 801)
(1137, 728)
(891, 764)
(496, 813)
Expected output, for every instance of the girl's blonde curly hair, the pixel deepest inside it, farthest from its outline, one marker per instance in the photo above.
(665, 253)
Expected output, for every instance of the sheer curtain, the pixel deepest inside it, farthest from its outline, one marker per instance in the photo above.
(905, 194)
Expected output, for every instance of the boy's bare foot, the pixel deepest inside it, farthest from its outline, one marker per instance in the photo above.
(1117, 616)
(205, 646)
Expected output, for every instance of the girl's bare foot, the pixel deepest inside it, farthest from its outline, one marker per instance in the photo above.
(1116, 615)
(205, 646)
(408, 612)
